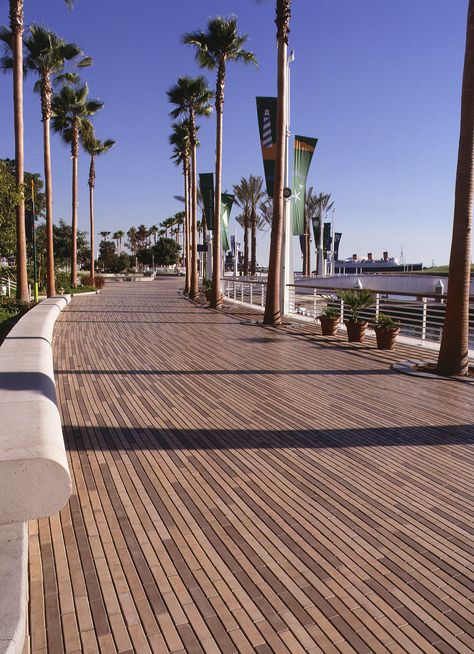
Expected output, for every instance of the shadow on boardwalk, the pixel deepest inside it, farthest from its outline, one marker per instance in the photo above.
(119, 438)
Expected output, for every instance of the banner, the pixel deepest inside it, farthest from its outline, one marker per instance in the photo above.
(303, 153)
(327, 240)
(267, 116)
(227, 201)
(337, 239)
(206, 186)
(316, 221)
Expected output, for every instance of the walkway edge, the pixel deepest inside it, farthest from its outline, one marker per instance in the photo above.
(35, 480)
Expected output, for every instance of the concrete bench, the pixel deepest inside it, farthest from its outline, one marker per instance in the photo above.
(34, 473)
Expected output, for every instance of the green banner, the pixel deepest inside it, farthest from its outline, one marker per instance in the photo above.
(267, 117)
(303, 153)
(206, 185)
(227, 201)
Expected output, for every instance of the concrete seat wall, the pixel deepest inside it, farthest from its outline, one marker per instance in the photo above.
(34, 474)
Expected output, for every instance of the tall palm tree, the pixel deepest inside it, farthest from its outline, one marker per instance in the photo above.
(181, 142)
(322, 206)
(104, 235)
(16, 16)
(220, 44)
(94, 148)
(454, 349)
(272, 315)
(310, 211)
(46, 56)
(117, 237)
(192, 98)
(242, 200)
(71, 111)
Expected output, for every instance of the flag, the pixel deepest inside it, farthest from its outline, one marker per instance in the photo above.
(227, 201)
(327, 238)
(267, 115)
(337, 239)
(206, 185)
(303, 153)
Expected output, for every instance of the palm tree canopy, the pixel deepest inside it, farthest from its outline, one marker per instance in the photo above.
(191, 95)
(71, 106)
(220, 43)
(180, 139)
(93, 145)
(48, 53)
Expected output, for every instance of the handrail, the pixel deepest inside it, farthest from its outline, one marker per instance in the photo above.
(334, 290)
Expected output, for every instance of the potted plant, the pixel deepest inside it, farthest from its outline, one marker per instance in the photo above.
(329, 319)
(206, 288)
(355, 300)
(386, 332)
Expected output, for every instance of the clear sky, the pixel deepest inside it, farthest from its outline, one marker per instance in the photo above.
(377, 81)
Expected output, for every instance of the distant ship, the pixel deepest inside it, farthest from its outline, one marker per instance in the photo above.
(357, 266)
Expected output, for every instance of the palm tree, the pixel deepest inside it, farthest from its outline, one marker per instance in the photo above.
(118, 236)
(94, 148)
(321, 207)
(310, 211)
(242, 199)
(192, 98)
(132, 240)
(153, 231)
(46, 56)
(454, 349)
(180, 140)
(16, 15)
(71, 111)
(272, 315)
(104, 235)
(214, 48)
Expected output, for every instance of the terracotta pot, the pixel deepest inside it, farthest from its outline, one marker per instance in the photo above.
(386, 337)
(355, 331)
(329, 325)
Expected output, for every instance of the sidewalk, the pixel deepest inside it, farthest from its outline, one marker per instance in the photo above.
(239, 489)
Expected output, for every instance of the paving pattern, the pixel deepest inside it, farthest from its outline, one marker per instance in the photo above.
(240, 489)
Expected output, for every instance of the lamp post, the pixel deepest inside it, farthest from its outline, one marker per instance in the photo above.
(33, 229)
(286, 266)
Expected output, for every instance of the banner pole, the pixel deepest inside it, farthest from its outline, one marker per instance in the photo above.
(286, 267)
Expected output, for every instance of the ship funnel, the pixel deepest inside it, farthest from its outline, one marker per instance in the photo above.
(354, 257)
(385, 256)
(369, 256)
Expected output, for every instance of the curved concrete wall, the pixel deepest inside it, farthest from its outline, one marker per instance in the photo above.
(34, 473)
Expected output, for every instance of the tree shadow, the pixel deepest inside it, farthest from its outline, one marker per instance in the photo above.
(141, 438)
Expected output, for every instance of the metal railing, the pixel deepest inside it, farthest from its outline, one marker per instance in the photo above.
(421, 318)
(7, 286)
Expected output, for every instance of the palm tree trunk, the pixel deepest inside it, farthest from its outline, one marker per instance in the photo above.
(74, 153)
(272, 315)
(453, 354)
(91, 214)
(306, 248)
(186, 225)
(194, 287)
(50, 277)
(16, 23)
(216, 297)
(246, 245)
(253, 265)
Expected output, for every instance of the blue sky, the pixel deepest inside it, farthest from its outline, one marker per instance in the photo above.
(376, 81)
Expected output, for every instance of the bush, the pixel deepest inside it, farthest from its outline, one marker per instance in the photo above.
(385, 322)
(331, 312)
(99, 282)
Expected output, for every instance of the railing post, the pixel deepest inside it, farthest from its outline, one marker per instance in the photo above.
(424, 318)
(235, 290)
(262, 302)
(314, 303)
(9, 287)
(251, 293)
(377, 305)
(242, 291)
(342, 310)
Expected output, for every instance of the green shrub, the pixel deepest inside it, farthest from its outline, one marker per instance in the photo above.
(385, 322)
(331, 312)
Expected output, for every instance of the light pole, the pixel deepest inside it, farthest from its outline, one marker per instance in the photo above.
(286, 262)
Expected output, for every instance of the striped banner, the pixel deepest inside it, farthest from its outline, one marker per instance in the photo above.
(267, 114)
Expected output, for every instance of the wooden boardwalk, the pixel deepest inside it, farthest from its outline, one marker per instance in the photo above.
(238, 489)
